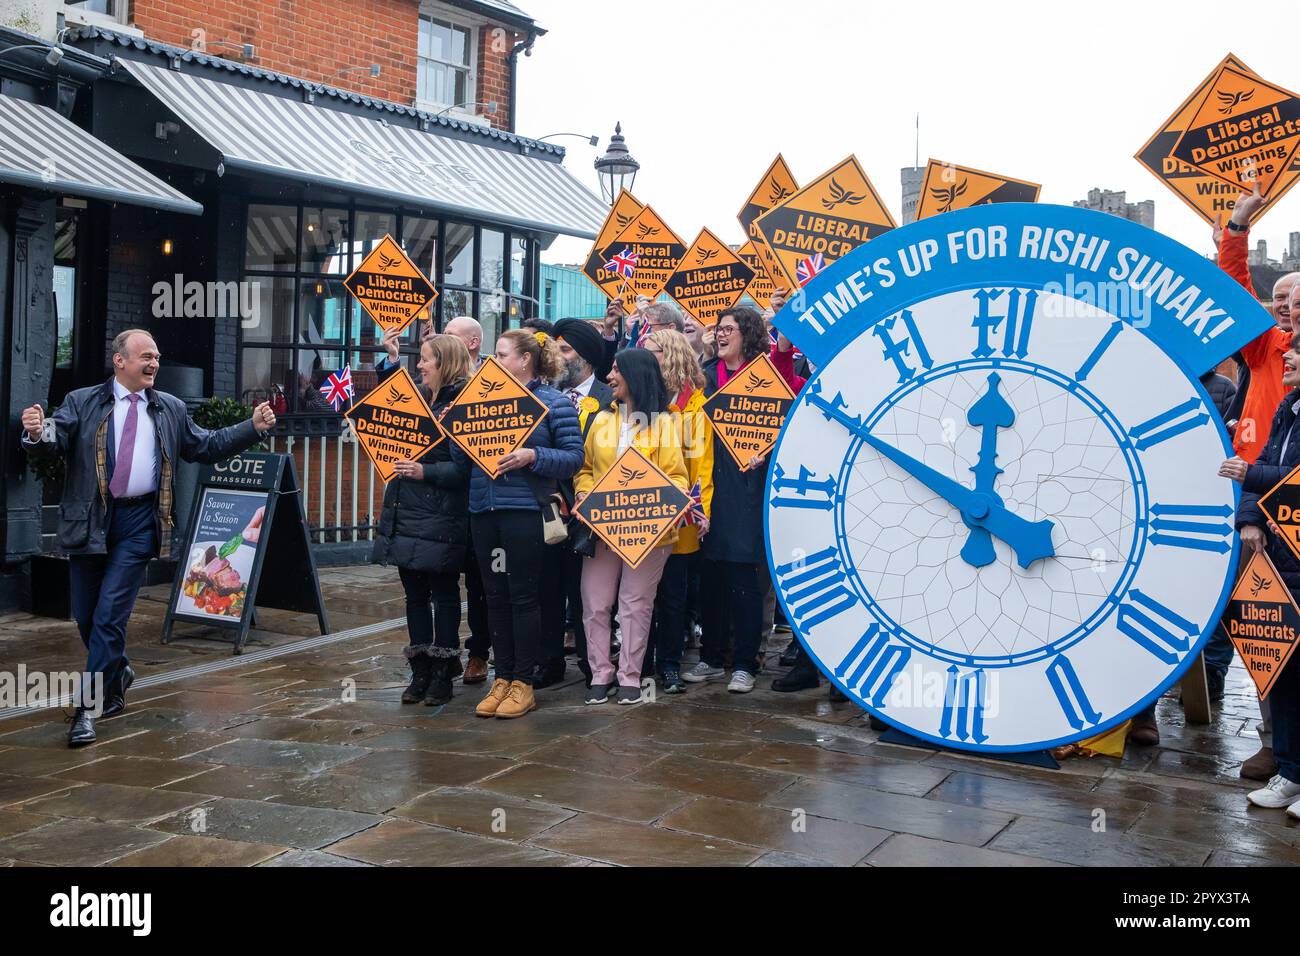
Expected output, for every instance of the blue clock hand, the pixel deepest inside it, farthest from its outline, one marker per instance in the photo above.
(1030, 540)
(989, 413)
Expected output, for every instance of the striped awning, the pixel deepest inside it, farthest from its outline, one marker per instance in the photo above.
(274, 135)
(41, 149)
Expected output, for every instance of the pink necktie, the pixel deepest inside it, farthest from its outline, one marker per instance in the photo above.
(574, 397)
(125, 450)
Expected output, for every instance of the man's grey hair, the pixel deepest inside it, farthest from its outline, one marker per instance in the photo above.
(664, 313)
(120, 340)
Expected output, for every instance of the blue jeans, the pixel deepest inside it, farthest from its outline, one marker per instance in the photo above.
(1218, 653)
(104, 588)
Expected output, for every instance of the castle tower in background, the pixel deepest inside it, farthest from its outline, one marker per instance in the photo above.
(911, 177)
(1113, 202)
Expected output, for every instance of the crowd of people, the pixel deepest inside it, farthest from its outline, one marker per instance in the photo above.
(636, 381)
(535, 596)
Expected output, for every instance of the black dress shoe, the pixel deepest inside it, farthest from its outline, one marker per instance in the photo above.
(791, 654)
(836, 695)
(116, 702)
(802, 676)
(876, 723)
(82, 731)
(547, 675)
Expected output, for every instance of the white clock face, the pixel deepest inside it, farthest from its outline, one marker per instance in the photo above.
(995, 518)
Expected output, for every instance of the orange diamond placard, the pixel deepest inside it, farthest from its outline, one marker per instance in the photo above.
(658, 250)
(777, 185)
(620, 217)
(632, 507)
(1262, 621)
(1282, 507)
(761, 287)
(390, 287)
(1209, 197)
(747, 413)
(709, 278)
(394, 423)
(947, 186)
(1243, 129)
(831, 216)
(492, 416)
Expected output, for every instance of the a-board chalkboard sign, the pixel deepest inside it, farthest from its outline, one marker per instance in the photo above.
(246, 509)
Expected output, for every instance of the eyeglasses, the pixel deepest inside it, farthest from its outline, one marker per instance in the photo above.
(724, 330)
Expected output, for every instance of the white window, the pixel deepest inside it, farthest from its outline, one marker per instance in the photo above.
(445, 56)
(96, 12)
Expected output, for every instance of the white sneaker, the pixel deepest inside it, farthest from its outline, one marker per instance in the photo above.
(1294, 810)
(1279, 793)
(742, 682)
(702, 672)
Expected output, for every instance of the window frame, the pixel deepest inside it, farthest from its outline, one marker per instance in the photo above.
(449, 17)
(296, 419)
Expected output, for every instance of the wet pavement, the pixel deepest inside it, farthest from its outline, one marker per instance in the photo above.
(308, 759)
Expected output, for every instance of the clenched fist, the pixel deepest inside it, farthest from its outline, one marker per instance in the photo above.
(33, 422)
(263, 417)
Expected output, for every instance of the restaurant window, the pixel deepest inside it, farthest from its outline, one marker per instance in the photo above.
(443, 77)
(307, 325)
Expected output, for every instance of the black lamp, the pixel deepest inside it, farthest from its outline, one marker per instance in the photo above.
(616, 169)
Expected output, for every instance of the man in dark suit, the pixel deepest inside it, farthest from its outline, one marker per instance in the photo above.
(120, 442)
(582, 349)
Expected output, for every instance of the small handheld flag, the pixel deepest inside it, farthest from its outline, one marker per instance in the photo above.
(337, 388)
(624, 263)
(809, 267)
(695, 513)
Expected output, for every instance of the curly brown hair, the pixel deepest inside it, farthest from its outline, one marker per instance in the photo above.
(679, 364)
(754, 340)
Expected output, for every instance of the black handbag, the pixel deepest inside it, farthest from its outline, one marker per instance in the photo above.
(582, 539)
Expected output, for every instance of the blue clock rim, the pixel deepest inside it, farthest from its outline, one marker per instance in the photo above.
(1109, 604)
(1030, 747)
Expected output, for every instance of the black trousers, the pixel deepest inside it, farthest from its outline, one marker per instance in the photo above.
(668, 629)
(480, 638)
(731, 602)
(510, 554)
(551, 599)
(432, 607)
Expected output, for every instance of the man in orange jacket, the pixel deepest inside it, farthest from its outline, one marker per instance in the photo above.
(1264, 393)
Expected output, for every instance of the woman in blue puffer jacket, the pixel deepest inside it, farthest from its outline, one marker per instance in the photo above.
(505, 516)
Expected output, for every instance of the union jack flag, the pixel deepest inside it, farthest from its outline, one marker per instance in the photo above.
(337, 388)
(809, 267)
(624, 263)
(695, 513)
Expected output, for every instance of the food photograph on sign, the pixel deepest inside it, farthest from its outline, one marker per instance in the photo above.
(748, 434)
(223, 548)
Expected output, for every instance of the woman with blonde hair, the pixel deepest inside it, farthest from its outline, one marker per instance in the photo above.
(424, 529)
(685, 383)
(505, 515)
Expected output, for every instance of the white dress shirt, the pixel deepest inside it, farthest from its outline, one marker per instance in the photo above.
(144, 456)
(583, 388)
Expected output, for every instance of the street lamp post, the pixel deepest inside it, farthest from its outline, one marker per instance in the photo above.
(616, 169)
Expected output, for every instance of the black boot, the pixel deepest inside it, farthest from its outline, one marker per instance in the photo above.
(790, 656)
(82, 731)
(442, 670)
(802, 676)
(421, 673)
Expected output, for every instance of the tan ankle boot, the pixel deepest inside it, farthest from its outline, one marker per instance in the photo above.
(519, 702)
(488, 706)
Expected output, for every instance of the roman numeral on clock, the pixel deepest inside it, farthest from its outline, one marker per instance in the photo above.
(814, 588)
(963, 706)
(1016, 322)
(899, 350)
(1181, 418)
(872, 665)
(1155, 628)
(1079, 712)
(809, 491)
(1199, 527)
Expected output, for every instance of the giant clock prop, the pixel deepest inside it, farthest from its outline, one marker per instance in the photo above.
(993, 515)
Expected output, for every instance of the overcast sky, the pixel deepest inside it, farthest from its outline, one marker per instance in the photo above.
(709, 91)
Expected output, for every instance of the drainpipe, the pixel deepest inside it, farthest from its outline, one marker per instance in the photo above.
(525, 47)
